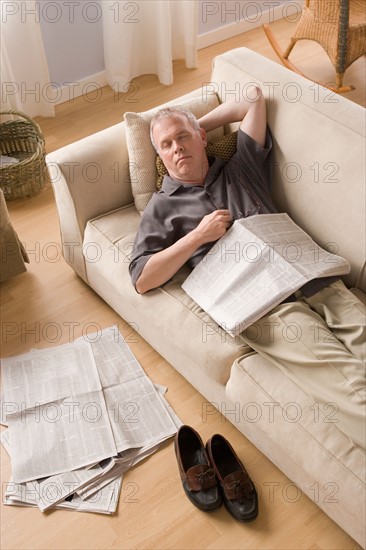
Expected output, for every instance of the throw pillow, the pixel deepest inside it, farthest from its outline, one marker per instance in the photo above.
(142, 153)
(223, 148)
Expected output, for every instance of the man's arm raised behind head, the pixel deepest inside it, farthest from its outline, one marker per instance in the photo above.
(251, 111)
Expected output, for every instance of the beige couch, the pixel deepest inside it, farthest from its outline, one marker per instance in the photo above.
(319, 180)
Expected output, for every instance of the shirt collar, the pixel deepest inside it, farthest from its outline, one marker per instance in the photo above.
(170, 185)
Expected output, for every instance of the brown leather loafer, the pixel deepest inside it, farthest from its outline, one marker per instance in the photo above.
(198, 477)
(239, 494)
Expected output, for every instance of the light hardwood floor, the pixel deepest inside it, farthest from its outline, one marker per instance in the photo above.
(39, 307)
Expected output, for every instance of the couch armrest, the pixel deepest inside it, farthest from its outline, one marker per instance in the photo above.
(89, 177)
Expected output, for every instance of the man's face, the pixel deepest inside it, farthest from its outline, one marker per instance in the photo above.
(182, 149)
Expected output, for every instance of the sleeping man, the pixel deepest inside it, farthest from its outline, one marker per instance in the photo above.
(198, 202)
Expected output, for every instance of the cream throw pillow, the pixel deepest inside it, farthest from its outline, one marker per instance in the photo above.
(142, 155)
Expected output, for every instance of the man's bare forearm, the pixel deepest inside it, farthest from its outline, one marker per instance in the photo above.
(231, 111)
(164, 264)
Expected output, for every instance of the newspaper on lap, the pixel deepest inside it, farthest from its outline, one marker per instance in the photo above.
(258, 263)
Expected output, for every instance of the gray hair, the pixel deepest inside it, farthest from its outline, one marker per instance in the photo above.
(170, 112)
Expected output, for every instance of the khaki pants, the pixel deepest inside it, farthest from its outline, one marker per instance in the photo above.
(319, 342)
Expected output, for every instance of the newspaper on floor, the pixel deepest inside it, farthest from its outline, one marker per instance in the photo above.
(55, 411)
(85, 413)
(63, 491)
(260, 261)
(48, 492)
(98, 482)
(104, 501)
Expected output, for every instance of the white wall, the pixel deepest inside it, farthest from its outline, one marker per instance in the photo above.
(73, 39)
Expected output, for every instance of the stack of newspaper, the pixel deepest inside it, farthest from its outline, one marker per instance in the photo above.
(78, 416)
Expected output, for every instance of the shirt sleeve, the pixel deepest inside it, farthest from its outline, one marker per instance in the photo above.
(152, 236)
(253, 162)
(248, 148)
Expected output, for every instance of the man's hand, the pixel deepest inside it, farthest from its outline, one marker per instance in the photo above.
(213, 226)
(164, 264)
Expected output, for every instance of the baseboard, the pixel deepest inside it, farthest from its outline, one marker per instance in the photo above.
(88, 87)
(261, 16)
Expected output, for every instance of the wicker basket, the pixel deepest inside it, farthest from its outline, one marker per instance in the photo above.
(21, 138)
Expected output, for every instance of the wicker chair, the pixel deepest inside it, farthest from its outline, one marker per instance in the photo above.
(339, 26)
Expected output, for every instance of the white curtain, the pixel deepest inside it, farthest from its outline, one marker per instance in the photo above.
(24, 78)
(145, 36)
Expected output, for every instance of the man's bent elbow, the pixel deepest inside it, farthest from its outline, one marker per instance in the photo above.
(142, 286)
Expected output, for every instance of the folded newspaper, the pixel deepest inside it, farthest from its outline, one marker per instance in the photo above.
(78, 417)
(258, 263)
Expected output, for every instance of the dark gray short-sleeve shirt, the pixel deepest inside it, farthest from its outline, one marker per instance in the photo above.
(242, 186)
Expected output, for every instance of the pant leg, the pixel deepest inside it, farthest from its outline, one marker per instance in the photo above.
(344, 314)
(296, 338)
